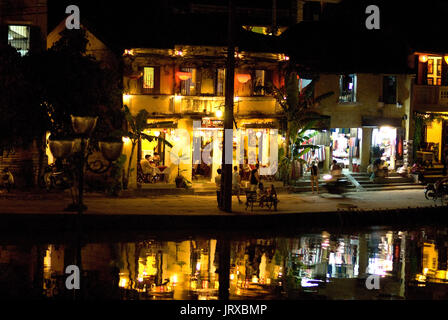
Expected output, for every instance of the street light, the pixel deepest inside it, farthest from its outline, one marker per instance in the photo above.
(83, 128)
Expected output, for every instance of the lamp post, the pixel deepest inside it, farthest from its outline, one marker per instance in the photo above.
(78, 147)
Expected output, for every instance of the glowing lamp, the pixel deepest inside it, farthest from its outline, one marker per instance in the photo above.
(218, 113)
(184, 75)
(157, 133)
(446, 59)
(423, 58)
(243, 77)
(258, 134)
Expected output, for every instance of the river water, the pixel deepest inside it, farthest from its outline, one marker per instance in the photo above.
(376, 263)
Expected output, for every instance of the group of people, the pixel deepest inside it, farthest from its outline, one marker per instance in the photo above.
(149, 165)
(255, 184)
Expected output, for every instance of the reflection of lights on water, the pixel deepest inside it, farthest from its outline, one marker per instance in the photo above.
(268, 281)
(254, 279)
(174, 279)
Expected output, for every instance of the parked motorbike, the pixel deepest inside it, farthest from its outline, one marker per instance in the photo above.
(437, 190)
(335, 185)
(55, 178)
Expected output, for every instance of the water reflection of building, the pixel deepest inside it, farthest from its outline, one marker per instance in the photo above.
(409, 264)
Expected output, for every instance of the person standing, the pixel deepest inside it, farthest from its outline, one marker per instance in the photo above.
(254, 178)
(314, 169)
(218, 188)
(236, 179)
(7, 179)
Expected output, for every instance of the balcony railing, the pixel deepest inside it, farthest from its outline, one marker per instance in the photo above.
(200, 104)
(426, 96)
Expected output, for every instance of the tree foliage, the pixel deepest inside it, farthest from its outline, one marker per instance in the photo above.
(23, 117)
(137, 124)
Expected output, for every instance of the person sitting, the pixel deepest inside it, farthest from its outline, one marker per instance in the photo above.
(336, 170)
(156, 158)
(261, 194)
(271, 192)
(147, 169)
(7, 179)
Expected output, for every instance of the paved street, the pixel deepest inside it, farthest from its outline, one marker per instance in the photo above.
(206, 205)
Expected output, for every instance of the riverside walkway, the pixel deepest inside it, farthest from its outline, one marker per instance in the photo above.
(205, 205)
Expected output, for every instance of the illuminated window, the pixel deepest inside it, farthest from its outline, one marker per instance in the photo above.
(434, 74)
(148, 78)
(259, 81)
(188, 86)
(19, 38)
(347, 88)
(150, 81)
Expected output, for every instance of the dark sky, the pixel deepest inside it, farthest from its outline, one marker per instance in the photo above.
(137, 18)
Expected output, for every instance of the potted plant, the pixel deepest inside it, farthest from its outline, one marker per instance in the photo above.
(180, 180)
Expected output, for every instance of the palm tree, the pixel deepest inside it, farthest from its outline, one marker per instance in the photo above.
(135, 132)
(295, 105)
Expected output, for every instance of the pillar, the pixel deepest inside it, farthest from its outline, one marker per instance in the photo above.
(363, 255)
(366, 144)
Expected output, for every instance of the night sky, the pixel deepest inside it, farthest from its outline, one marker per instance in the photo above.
(130, 21)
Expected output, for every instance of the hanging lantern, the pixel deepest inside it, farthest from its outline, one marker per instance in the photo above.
(183, 75)
(243, 77)
(423, 58)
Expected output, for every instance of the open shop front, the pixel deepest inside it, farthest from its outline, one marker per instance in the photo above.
(387, 140)
(345, 147)
(435, 137)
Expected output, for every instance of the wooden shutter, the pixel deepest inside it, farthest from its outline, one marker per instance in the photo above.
(156, 80)
(444, 72)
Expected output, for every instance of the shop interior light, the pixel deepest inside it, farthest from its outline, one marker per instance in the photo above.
(157, 133)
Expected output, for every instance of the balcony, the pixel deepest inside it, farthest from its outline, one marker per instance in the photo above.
(430, 98)
(208, 105)
(195, 104)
